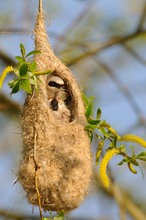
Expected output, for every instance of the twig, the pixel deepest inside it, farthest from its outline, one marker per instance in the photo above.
(142, 18)
(104, 46)
(8, 60)
(119, 199)
(134, 210)
(134, 54)
(36, 177)
(16, 216)
(123, 201)
(117, 195)
(40, 6)
(131, 207)
(15, 31)
(8, 215)
(9, 106)
(121, 87)
(75, 22)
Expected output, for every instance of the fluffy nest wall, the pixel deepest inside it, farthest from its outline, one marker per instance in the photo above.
(56, 159)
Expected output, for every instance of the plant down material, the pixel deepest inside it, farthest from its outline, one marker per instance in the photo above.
(56, 163)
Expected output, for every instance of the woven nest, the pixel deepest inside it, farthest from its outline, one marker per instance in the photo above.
(56, 163)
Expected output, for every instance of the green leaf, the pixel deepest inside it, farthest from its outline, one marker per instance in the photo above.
(60, 216)
(25, 85)
(115, 141)
(122, 148)
(19, 59)
(33, 52)
(16, 87)
(142, 154)
(11, 83)
(34, 83)
(23, 69)
(104, 132)
(32, 66)
(125, 160)
(90, 127)
(132, 148)
(90, 134)
(98, 152)
(121, 163)
(134, 162)
(99, 136)
(98, 114)
(85, 99)
(88, 112)
(91, 98)
(93, 121)
(141, 158)
(23, 51)
(42, 72)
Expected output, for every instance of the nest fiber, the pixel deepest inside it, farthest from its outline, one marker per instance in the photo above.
(56, 147)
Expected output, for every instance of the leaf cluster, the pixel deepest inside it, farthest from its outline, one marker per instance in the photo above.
(25, 73)
(132, 160)
(104, 131)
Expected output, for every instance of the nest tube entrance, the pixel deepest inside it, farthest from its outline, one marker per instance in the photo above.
(55, 143)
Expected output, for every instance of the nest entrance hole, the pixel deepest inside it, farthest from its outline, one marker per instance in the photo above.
(60, 96)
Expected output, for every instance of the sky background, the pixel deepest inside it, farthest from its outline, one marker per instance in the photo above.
(104, 20)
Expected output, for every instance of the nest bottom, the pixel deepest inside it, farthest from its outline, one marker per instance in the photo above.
(59, 188)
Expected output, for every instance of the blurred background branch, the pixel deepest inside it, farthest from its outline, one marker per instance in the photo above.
(104, 44)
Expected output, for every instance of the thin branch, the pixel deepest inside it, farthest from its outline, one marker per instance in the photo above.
(104, 46)
(142, 18)
(121, 87)
(123, 201)
(75, 22)
(13, 216)
(40, 6)
(8, 215)
(15, 31)
(119, 199)
(7, 59)
(9, 106)
(134, 54)
(131, 207)
(134, 210)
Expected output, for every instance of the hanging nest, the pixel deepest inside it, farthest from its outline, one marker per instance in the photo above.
(56, 166)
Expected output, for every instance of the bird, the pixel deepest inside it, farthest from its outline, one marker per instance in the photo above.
(57, 95)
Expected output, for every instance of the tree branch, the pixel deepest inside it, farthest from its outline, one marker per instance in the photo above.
(142, 18)
(8, 106)
(134, 54)
(6, 59)
(75, 22)
(104, 46)
(40, 6)
(125, 91)
(123, 201)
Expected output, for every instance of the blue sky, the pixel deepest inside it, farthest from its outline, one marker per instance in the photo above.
(115, 107)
